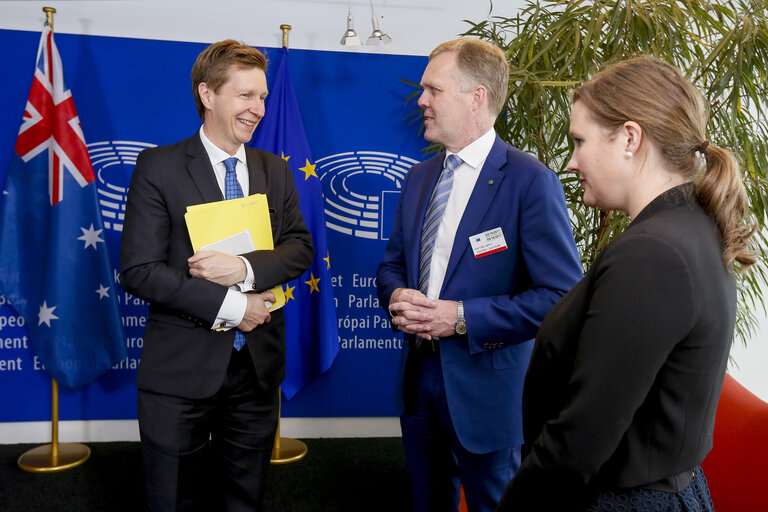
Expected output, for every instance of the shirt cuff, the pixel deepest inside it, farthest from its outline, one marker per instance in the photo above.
(231, 312)
(248, 284)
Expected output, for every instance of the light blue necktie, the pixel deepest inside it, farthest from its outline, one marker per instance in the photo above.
(433, 218)
(232, 190)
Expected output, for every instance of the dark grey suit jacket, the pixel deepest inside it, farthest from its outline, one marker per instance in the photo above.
(627, 368)
(182, 356)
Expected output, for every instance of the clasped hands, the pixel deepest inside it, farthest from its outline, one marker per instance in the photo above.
(414, 313)
(228, 270)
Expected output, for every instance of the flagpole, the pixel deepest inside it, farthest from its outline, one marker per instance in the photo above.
(285, 449)
(53, 457)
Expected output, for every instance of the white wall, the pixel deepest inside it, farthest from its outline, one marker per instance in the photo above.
(415, 28)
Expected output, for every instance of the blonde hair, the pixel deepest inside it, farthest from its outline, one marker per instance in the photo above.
(673, 115)
(213, 64)
(480, 63)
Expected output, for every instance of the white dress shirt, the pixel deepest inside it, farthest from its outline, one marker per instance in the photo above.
(464, 178)
(232, 310)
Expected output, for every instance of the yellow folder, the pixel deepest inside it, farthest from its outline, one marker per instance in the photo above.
(234, 226)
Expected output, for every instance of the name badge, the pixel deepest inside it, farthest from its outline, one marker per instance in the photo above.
(488, 242)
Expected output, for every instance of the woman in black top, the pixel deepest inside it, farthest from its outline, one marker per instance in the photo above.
(620, 395)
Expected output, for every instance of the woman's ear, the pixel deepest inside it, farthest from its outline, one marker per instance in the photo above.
(633, 134)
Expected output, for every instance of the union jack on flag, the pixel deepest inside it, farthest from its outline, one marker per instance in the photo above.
(54, 264)
(51, 123)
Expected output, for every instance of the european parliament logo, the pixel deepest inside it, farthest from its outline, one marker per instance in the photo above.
(113, 163)
(361, 190)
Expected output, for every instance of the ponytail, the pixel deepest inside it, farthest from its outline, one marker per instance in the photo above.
(721, 191)
(673, 116)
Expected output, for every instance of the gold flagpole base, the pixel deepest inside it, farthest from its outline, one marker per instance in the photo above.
(288, 450)
(41, 460)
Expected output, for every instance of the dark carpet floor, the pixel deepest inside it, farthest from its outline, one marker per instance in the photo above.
(336, 475)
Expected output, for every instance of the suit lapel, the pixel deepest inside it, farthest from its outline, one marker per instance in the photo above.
(201, 172)
(256, 174)
(481, 200)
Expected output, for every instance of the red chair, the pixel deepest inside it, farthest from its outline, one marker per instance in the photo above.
(737, 467)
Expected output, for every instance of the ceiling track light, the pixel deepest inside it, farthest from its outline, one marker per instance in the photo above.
(350, 36)
(377, 36)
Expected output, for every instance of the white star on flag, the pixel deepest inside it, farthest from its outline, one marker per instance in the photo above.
(103, 291)
(90, 237)
(46, 314)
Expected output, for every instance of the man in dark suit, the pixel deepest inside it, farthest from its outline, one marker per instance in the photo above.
(213, 355)
(481, 249)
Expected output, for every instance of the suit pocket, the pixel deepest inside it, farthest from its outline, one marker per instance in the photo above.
(512, 356)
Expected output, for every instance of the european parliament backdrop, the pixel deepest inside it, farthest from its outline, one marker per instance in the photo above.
(132, 94)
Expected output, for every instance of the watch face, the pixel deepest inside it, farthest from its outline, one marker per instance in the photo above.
(461, 328)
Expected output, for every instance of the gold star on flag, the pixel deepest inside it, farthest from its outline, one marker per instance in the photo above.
(282, 155)
(289, 293)
(313, 283)
(309, 170)
(327, 259)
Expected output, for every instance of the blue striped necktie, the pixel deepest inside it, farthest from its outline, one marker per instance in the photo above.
(232, 190)
(433, 218)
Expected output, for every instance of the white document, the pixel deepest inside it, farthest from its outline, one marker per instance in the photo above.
(239, 243)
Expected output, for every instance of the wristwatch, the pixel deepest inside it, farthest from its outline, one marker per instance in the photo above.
(461, 326)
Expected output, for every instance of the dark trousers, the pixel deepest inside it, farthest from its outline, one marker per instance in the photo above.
(437, 463)
(209, 454)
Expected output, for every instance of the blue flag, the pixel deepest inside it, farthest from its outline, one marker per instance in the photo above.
(54, 263)
(311, 331)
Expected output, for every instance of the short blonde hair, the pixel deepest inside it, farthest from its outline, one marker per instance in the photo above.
(480, 63)
(213, 64)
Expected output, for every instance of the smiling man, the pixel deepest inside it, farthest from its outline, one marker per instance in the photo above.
(481, 249)
(213, 355)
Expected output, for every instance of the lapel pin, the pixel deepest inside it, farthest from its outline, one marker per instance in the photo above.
(490, 182)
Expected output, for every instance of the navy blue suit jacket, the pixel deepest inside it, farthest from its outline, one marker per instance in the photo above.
(506, 294)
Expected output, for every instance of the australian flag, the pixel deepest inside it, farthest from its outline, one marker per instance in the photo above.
(311, 331)
(54, 263)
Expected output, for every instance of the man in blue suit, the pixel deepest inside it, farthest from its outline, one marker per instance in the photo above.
(481, 249)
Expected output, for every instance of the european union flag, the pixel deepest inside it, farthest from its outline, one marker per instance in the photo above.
(311, 331)
(54, 263)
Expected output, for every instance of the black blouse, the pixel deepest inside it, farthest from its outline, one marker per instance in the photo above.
(627, 368)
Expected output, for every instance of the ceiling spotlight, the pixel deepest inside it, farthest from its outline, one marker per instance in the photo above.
(350, 36)
(377, 35)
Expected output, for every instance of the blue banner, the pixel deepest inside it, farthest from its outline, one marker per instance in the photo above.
(354, 114)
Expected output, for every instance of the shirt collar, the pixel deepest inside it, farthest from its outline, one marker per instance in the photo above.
(475, 153)
(218, 155)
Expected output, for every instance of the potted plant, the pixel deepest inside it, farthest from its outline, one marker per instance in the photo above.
(554, 45)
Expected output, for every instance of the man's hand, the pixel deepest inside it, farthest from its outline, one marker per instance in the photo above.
(256, 312)
(416, 314)
(218, 267)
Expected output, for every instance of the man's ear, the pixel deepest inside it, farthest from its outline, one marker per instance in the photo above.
(479, 97)
(206, 95)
